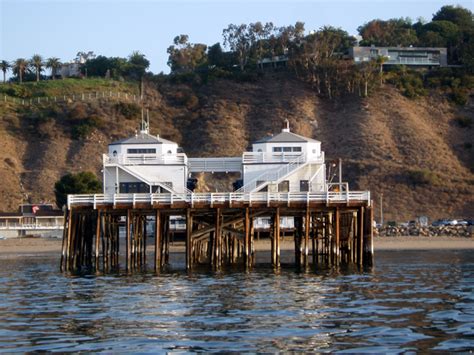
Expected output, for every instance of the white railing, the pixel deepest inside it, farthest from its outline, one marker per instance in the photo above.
(30, 226)
(280, 157)
(215, 165)
(144, 159)
(218, 198)
(275, 175)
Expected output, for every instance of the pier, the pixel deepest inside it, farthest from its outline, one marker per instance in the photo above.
(286, 187)
(329, 229)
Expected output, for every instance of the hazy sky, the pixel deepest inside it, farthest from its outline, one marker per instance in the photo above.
(61, 28)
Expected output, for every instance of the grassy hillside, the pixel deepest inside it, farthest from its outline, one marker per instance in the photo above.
(418, 152)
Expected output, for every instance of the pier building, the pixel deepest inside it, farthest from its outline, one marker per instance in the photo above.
(284, 186)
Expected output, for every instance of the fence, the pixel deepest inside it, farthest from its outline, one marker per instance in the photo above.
(99, 95)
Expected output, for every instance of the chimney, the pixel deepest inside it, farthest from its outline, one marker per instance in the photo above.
(286, 126)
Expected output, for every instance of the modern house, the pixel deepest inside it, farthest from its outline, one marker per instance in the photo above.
(410, 56)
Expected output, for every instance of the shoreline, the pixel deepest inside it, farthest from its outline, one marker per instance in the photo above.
(48, 247)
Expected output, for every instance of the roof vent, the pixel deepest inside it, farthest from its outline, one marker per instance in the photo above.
(286, 126)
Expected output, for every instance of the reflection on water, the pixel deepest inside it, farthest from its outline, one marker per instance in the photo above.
(410, 301)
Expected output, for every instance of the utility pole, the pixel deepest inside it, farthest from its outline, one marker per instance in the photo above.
(381, 208)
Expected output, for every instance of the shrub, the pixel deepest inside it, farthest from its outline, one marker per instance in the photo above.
(422, 177)
(81, 183)
(463, 122)
(459, 96)
(128, 110)
(84, 127)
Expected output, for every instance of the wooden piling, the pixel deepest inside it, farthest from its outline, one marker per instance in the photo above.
(128, 243)
(157, 240)
(189, 241)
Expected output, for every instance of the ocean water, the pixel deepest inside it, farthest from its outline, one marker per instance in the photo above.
(410, 301)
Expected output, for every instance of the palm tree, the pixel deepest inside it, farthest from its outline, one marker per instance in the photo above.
(54, 64)
(380, 60)
(4, 66)
(37, 62)
(20, 66)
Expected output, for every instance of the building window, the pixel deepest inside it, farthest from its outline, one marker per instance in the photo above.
(134, 188)
(141, 151)
(115, 153)
(304, 185)
(284, 186)
(286, 149)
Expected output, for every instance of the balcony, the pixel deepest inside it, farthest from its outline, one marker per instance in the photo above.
(280, 157)
(144, 159)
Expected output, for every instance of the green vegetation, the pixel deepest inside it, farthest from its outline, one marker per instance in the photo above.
(422, 177)
(67, 87)
(464, 121)
(80, 183)
(318, 58)
(128, 109)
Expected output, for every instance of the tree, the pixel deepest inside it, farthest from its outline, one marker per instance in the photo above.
(380, 60)
(238, 40)
(4, 66)
(20, 67)
(456, 14)
(137, 65)
(80, 183)
(185, 56)
(37, 62)
(54, 64)
(393, 32)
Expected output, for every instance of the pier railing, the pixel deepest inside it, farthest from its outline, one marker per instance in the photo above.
(144, 159)
(218, 198)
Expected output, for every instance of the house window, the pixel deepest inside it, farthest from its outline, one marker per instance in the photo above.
(133, 188)
(284, 186)
(304, 185)
(141, 151)
(286, 149)
(115, 153)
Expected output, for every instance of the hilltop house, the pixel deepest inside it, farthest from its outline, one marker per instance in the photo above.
(410, 56)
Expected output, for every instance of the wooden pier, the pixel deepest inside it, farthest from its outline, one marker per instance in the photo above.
(328, 229)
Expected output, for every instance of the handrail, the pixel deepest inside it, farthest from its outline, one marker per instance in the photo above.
(144, 159)
(218, 197)
(269, 176)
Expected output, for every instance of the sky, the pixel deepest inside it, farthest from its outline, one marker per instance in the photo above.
(61, 28)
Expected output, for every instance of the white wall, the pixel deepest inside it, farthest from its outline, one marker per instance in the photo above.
(177, 174)
(305, 173)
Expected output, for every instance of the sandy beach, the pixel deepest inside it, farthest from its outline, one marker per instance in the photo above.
(40, 247)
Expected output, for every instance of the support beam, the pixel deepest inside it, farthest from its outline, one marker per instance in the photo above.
(276, 235)
(360, 235)
(307, 226)
(128, 241)
(247, 237)
(157, 240)
(97, 240)
(189, 240)
(337, 239)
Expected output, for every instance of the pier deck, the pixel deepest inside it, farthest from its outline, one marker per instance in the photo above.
(329, 228)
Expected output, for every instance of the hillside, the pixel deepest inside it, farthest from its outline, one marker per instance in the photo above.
(413, 151)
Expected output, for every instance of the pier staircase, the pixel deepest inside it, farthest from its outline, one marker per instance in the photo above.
(150, 182)
(274, 176)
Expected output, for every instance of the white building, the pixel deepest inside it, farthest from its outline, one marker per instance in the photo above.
(144, 164)
(286, 162)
